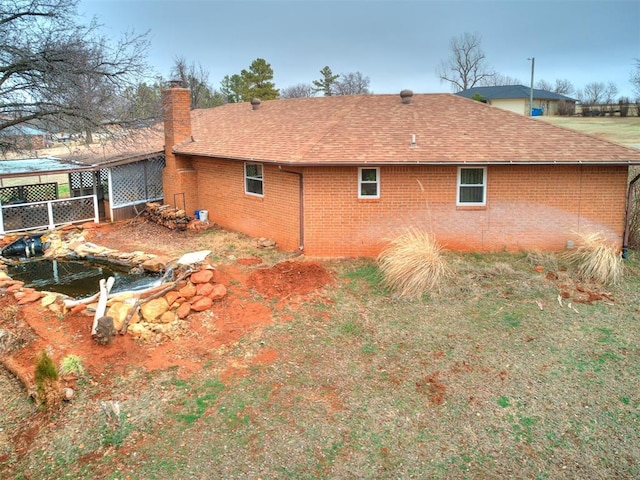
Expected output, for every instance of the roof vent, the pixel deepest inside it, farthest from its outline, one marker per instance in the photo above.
(406, 95)
(255, 103)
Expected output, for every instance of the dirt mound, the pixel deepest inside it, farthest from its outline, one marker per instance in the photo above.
(288, 279)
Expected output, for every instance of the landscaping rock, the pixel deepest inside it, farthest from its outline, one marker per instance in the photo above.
(30, 297)
(218, 292)
(156, 264)
(119, 312)
(153, 309)
(204, 289)
(202, 276)
(173, 297)
(183, 311)
(188, 291)
(202, 304)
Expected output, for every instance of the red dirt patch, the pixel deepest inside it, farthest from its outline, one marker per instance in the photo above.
(230, 318)
(433, 388)
(288, 279)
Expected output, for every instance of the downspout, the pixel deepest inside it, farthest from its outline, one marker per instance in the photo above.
(627, 220)
(301, 201)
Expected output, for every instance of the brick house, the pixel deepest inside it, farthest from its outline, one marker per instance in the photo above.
(340, 176)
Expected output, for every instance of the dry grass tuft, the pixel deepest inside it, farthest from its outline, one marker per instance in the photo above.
(597, 259)
(413, 264)
(548, 260)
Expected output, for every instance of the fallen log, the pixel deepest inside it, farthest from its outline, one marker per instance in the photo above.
(70, 303)
(25, 377)
(141, 301)
(105, 288)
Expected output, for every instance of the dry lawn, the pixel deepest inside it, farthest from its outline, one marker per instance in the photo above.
(509, 371)
(623, 130)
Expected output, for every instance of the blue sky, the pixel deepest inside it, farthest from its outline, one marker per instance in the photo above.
(398, 44)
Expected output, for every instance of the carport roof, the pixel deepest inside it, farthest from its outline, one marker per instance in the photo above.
(34, 166)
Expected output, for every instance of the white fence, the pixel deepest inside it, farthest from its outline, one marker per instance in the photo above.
(49, 214)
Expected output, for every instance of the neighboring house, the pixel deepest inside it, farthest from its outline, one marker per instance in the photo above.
(516, 98)
(25, 137)
(340, 176)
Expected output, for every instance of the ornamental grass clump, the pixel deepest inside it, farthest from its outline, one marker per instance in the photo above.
(72, 365)
(413, 264)
(596, 259)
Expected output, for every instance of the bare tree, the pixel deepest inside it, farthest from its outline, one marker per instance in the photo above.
(498, 79)
(563, 87)
(466, 67)
(353, 83)
(301, 90)
(196, 79)
(635, 78)
(55, 70)
(544, 85)
(610, 93)
(593, 94)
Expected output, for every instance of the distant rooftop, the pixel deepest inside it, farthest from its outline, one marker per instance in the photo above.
(512, 91)
(31, 166)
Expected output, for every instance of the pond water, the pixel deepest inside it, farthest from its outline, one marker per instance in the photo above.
(76, 278)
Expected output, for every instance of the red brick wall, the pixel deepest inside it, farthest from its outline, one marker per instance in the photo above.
(528, 207)
(274, 216)
(521, 213)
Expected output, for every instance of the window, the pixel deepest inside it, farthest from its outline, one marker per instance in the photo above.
(368, 183)
(472, 186)
(253, 180)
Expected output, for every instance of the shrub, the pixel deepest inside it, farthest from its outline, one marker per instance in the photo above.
(624, 104)
(566, 108)
(413, 263)
(596, 259)
(47, 383)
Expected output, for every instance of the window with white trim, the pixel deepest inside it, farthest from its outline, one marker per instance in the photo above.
(368, 182)
(253, 179)
(472, 186)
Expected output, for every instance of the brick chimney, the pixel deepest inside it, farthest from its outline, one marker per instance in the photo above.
(178, 177)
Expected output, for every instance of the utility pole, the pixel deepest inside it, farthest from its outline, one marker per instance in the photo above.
(533, 64)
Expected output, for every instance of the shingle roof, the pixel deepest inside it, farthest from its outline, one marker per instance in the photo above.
(378, 129)
(512, 91)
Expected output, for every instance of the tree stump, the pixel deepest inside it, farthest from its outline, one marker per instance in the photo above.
(105, 331)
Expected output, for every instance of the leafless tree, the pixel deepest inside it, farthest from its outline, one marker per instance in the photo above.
(593, 93)
(498, 79)
(467, 66)
(563, 87)
(196, 79)
(57, 71)
(301, 90)
(610, 93)
(353, 83)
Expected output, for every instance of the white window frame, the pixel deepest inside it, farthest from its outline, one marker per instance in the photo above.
(460, 185)
(259, 178)
(362, 182)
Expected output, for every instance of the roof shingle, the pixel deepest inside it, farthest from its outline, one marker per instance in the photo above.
(377, 129)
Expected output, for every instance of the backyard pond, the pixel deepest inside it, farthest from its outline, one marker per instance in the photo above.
(78, 278)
